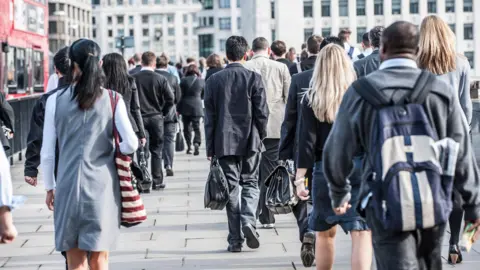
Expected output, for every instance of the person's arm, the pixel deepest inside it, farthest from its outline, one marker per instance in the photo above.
(135, 111)
(168, 97)
(129, 141)
(337, 159)
(464, 93)
(210, 117)
(307, 135)
(178, 92)
(289, 125)
(6, 196)
(260, 107)
(7, 115)
(47, 154)
(34, 139)
(287, 79)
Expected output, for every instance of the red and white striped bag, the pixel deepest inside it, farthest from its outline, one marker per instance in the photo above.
(133, 210)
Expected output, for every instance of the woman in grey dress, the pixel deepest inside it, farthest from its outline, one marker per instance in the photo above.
(86, 194)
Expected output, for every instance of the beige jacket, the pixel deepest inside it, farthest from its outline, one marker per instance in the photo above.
(276, 78)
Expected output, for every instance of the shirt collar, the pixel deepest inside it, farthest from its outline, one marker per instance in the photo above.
(163, 69)
(147, 68)
(259, 55)
(398, 62)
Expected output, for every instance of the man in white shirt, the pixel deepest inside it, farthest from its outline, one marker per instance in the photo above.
(349, 49)
(8, 232)
(367, 48)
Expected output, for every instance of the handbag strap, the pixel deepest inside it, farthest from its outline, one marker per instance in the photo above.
(114, 102)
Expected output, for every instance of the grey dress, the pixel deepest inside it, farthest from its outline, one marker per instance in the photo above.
(87, 202)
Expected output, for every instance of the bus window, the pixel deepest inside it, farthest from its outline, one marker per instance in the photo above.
(20, 66)
(11, 78)
(38, 69)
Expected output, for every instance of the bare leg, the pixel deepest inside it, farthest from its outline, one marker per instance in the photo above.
(99, 260)
(77, 259)
(325, 249)
(362, 250)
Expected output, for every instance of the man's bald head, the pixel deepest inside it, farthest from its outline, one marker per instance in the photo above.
(400, 39)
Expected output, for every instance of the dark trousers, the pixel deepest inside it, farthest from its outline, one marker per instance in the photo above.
(456, 217)
(194, 122)
(169, 143)
(415, 250)
(241, 171)
(154, 131)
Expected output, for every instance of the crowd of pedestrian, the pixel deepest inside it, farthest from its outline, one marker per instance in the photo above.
(379, 138)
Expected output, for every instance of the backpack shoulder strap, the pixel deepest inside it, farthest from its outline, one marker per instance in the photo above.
(421, 88)
(371, 94)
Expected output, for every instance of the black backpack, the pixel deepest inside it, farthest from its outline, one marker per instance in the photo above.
(216, 189)
(280, 192)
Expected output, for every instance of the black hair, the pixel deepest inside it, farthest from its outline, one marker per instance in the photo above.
(236, 47)
(116, 74)
(259, 44)
(162, 62)
(375, 35)
(192, 70)
(61, 61)
(278, 48)
(400, 38)
(366, 40)
(330, 40)
(85, 55)
(313, 44)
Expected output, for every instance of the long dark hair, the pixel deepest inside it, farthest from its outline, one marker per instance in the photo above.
(85, 55)
(192, 70)
(61, 61)
(116, 74)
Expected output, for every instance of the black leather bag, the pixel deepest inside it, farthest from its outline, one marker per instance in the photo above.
(179, 142)
(280, 195)
(216, 189)
(140, 173)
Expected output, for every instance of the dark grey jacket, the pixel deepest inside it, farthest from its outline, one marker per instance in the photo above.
(367, 65)
(351, 133)
(236, 112)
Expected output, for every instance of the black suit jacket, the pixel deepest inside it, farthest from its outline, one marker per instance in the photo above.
(192, 95)
(284, 61)
(177, 93)
(236, 112)
(306, 64)
(135, 70)
(132, 103)
(367, 65)
(211, 71)
(290, 128)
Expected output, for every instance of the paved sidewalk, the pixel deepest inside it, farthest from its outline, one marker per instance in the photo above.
(179, 233)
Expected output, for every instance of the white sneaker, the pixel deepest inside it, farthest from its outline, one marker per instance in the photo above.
(269, 226)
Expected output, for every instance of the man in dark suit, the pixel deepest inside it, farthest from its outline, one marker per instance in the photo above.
(171, 120)
(279, 51)
(235, 125)
(371, 63)
(138, 66)
(156, 100)
(313, 47)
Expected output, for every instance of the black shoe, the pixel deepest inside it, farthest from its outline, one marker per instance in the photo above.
(235, 248)
(251, 235)
(197, 150)
(189, 151)
(307, 253)
(159, 187)
(169, 171)
(454, 255)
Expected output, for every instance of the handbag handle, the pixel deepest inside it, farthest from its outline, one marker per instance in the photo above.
(114, 102)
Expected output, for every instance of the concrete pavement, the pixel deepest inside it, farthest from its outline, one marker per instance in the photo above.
(179, 233)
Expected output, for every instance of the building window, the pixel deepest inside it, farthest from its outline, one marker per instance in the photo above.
(185, 18)
(468, 31)
(157, 18)
(360, 32)
(144, 2)
(452, 27)
(210, 21)
(95, 2)
(396, 6)
(94, 21)
(238, 3)
(37, 68)
(94, 33)
(467, 5)
(171, 43)
(120, 2)
(144, 19)
(239, 23)
(307, 32)
(61, 7)
(131, 32)
(157, 2)
(378, 7)
(360, 7)
(120, 19)
(110, 33)
(413, 6)
(208, 4)
(109, 20)
(205, 45)
(130, 19)
(307, 8)
(471, 58)
(326, 32)
(325, 8)
(145, 32)
(146, 45)
(185, 31)
(224, 3)
(170, 18)
(274, 34)
(343, 7)
(52, 27)
(272, 9)
(224, 23)
(432, 6)
(51, 9)
(222, 44)
(171, 2)
(171, 31)
(120, 32)
(449, 5)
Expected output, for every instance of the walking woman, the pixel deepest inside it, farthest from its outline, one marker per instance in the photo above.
(117, 79)
(332, 75)
(215, 64)
(191, 107)
(438, 55)
(86, 196)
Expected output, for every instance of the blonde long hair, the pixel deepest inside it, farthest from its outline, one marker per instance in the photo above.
(331, 78)
(437, 52)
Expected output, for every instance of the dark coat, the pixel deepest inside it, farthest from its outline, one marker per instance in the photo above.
(236, 112)
(284, 61)
(290, 126)
(212, 71)
(173, 81)
(7, 119)
(154, 92)
(130, 97)
(306, 64)
(367, 65)
(135, 70)
(192, 94)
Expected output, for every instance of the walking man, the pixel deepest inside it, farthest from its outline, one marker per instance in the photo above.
(276, 79)
(367, 47)
(137, 59)
(407, 234)
(370, 63)
(313, 47)
(235, 125)
(156, 100)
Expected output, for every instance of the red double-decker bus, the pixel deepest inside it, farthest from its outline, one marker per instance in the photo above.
(24, 50)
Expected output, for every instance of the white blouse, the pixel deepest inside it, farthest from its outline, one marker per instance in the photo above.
(128, 145)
